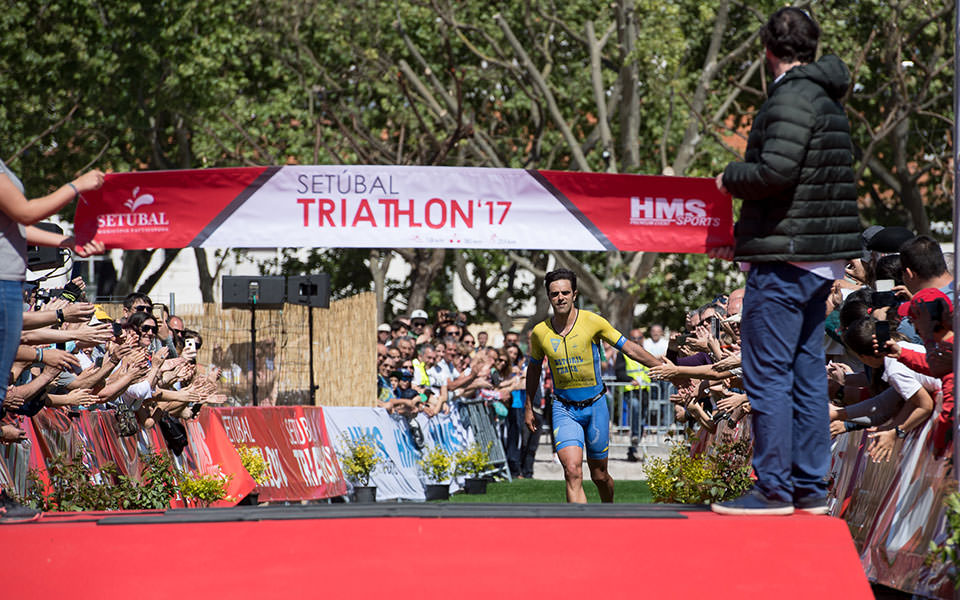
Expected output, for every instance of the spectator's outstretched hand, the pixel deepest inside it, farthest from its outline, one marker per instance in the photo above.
(665, 370)
(60, 359)
(78, 312)
(11, 434)
(882, 444)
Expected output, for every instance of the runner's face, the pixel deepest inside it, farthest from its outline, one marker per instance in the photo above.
(561, 295)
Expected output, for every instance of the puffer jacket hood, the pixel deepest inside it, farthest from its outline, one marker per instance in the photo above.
(829, 73)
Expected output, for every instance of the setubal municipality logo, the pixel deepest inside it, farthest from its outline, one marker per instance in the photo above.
(135, 222)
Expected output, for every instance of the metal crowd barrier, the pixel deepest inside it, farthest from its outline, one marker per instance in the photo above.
(659, 421)
(477, 416)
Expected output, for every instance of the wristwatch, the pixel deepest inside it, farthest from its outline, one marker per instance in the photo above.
(900, 433)
(60, 317)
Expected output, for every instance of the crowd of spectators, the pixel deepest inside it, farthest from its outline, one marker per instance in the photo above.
(73, 355)
(430, 366)
(888, 340)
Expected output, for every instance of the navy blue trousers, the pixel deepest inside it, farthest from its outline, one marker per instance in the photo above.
(785, 378)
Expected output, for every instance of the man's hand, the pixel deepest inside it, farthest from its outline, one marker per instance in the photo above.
(13, 400)
(727, 363)
(667, 370)
(720, 186)
(60, 359)
(81, 397)
(529, 419)
(721, 252)
(882, 444)
(93, 334)
(837, 427)
(78, 312)
(11, 434)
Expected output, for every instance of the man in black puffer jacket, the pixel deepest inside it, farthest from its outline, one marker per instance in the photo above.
(797, 228)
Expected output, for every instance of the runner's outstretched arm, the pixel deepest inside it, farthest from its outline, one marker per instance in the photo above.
(637, 353)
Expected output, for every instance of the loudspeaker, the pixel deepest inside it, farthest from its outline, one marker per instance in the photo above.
(244, 291)
(40, 258)
(309, 290)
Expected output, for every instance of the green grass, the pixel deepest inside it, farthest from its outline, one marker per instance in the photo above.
(538, 491)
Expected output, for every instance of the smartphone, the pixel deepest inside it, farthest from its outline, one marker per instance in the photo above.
(882, 333)
(715, 328)
(881, 299)
(117, 329)
(190, 343)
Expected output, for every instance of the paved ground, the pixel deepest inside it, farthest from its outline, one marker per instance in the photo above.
(653, 445)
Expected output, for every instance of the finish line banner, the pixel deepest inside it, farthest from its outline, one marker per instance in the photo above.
(405, 207)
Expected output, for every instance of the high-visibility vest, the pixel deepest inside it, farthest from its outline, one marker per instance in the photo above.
(420, 373)
(638, 372)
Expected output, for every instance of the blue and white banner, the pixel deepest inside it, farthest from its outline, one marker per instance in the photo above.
(398, 476)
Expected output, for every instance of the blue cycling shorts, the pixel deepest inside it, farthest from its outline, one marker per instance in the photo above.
(585, 427)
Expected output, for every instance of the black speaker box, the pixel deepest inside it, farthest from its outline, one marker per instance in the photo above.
(309, 290)
(40, 258)
(240, 291)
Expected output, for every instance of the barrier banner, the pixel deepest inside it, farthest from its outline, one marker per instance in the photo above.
(400, 206)
(293, 440)
(397, 476)
(211, 453)
(895, 509)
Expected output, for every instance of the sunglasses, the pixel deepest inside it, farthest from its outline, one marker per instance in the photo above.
(148, 329)
(143, 308)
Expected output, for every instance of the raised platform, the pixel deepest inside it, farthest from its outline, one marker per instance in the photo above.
(431, 551)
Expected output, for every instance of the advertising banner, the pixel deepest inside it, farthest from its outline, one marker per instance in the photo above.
(293, 440)
(397, 476)
(409, 207)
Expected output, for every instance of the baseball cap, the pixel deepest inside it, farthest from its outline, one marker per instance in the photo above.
(100, 316)
(889, 239)
(418, 314)
(921, 297)
(384, 327)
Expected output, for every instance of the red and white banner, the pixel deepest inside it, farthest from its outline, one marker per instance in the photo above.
(391, 206)
(302, 464)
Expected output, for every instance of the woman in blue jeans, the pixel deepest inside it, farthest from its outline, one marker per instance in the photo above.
(17, 215)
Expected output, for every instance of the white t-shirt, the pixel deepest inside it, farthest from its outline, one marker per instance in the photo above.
(905, 380)
(657, 349)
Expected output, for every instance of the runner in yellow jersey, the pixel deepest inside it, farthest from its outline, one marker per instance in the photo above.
(571, 342)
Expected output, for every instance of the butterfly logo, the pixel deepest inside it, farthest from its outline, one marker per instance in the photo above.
(137, 201)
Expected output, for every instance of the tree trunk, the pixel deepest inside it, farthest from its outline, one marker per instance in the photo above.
(169, 255)
(206, 279)
(134, 264)
(426, 264)
(379, 264)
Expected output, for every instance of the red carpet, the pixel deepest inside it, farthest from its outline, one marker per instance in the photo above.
(701, 556)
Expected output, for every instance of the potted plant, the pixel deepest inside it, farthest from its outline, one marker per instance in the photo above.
(256, 466)
(359, 459)
(437, 465)
(474, 462)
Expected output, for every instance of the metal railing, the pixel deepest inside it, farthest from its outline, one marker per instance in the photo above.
(659, 419)
(477, 416)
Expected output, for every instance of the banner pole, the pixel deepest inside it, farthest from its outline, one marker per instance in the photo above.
(956, 239)
(313, 387)
(253, 349)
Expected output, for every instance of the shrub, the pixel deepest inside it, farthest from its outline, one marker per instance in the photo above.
(437, 464)
(473, 461)
(204, 490)
(359, 459)
(73, 487)
(947, 551)
(719, 474)
(254, 463)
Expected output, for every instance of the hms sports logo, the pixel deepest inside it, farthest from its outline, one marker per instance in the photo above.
(134, 221)
(664, 211)
(555, 342)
